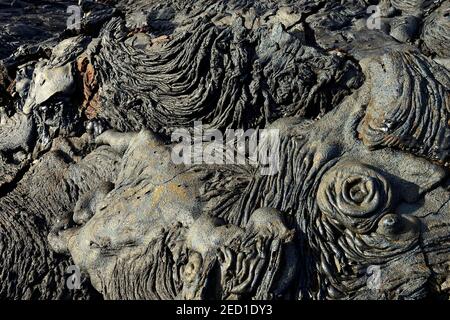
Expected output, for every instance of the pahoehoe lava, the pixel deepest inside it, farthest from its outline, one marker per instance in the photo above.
(357, 91)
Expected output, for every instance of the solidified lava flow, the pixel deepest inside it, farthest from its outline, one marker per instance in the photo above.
(224, 149)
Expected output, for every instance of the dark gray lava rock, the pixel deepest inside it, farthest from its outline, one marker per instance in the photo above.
(358, 104)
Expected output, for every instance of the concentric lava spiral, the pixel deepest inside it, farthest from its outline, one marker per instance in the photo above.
(354, 195)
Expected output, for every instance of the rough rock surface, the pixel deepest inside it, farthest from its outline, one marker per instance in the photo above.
(358, 208)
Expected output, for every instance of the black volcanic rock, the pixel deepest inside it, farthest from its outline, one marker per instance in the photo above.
(99, 199)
